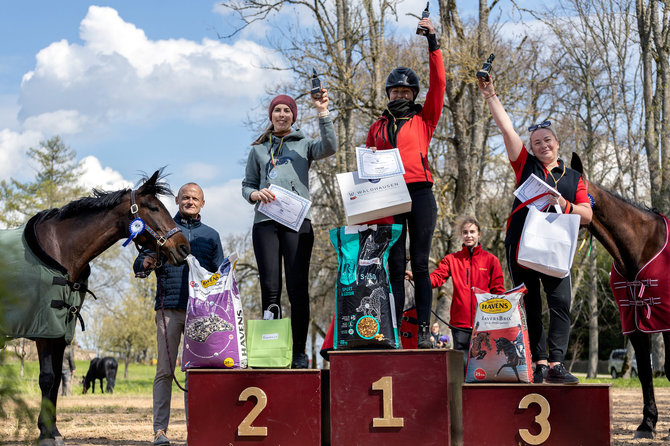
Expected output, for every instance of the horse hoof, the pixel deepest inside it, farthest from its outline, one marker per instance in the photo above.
(644, 434)
(58, 440)
(47, 442)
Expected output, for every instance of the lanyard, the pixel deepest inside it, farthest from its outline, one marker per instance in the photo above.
(559, 178)
(272, 154)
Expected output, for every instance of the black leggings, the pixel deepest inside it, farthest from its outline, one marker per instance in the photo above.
(421, 223)
(272, 242)
(559, 297)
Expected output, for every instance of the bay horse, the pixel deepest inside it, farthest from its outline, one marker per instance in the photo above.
(69, 238)
(479, 341)
(633, 236)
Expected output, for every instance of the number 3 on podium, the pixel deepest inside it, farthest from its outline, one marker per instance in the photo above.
(542, 419)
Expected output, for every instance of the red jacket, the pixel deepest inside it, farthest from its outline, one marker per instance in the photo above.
(414, 136)
(481, 270)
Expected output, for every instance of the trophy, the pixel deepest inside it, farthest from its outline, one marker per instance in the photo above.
(486, 68)
(420, 30)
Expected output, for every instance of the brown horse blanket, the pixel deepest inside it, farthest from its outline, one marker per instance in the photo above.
(644, 303)
(43, 302)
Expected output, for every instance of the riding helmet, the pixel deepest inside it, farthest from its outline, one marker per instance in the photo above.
(403, 77)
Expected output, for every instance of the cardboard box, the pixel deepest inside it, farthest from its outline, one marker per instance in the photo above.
(366, 200)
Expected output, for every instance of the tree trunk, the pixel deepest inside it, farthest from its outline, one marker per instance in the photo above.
(592, 369)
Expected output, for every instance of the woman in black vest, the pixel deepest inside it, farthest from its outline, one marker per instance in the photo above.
(541, 160)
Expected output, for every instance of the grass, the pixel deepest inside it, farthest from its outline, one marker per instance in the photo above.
(141, 376)
(139, 382)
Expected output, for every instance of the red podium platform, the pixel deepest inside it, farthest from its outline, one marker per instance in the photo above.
(398, 397)
(536, 414)
(254, 407)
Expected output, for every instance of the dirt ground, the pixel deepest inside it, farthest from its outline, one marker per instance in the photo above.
(94, 420)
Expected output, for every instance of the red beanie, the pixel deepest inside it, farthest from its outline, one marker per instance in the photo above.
(286, 100)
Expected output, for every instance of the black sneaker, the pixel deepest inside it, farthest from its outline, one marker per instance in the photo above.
(300, 361)
(558, 375)
(540, 373)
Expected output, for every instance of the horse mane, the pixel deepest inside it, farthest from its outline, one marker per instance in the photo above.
(638, 206)
(102, 200)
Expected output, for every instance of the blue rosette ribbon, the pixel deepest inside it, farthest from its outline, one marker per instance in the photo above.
(136, 227)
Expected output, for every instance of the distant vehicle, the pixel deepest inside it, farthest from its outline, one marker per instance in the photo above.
(615, 363)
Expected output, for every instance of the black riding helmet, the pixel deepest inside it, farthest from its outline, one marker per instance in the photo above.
(403, 77)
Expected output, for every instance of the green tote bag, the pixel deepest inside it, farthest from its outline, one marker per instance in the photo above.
(269, 343)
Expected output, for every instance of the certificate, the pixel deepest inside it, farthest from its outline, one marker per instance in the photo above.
(533, 187)
(378, 164)
(287, 208)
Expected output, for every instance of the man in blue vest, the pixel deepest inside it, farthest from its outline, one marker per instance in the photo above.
(172, 297)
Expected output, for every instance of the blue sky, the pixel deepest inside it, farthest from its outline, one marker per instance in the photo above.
(136, 85)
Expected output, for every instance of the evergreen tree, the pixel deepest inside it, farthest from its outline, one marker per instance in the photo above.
(55, 183)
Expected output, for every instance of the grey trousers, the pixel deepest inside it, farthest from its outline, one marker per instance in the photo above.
(174, 320)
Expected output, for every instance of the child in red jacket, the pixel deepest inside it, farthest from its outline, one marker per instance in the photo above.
(469, 267)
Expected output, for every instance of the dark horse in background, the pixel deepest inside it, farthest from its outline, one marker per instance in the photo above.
(632, 236)
(101, 368)
(77, 233)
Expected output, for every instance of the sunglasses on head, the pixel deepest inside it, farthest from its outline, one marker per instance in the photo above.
(542, 125)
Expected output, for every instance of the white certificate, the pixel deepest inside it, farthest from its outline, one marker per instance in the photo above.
(378, 164)
(287, 208)
(533, 187)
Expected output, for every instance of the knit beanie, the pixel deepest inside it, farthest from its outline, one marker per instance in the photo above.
(286, 100)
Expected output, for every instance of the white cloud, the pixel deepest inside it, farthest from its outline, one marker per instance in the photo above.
(225, 209)
(201, 171)
(103, 178)
(13, 147)
(119, 74)
(58, 122)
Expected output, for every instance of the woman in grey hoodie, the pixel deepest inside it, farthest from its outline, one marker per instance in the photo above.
(282, 156)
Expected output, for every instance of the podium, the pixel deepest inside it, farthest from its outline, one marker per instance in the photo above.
(398, 397)
(389, 398)
(254, 407)
(536, 414)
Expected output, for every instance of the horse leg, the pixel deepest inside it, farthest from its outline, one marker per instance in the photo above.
(641, 345)
(50, 353)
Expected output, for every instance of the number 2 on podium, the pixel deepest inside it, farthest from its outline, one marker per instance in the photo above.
(385, 384)
(245, 429)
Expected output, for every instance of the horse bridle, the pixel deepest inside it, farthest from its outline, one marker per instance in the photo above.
(160, 239)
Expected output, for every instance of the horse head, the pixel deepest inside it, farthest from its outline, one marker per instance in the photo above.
(85, 385)
(160, 233)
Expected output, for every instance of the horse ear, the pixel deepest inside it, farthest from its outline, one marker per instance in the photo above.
(154, 177)
(576, 163)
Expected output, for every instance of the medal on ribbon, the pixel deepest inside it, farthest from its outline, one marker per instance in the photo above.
(136, 227)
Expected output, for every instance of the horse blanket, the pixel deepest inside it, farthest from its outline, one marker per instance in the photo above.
(43, 302)
(644, 302)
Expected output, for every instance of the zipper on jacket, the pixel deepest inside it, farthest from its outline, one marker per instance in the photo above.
(424, 166)
(293, 188)
(471, 290)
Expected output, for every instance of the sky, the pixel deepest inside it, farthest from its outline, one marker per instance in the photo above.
(133, 86)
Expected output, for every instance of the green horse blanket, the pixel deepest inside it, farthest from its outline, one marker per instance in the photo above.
(43, 302)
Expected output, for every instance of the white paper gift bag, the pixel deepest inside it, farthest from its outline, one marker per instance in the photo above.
(548, 242)
(366, 200)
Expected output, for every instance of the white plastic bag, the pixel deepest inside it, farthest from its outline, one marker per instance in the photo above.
(548, 242)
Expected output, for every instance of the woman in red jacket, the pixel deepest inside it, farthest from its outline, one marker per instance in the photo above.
(469, 267)
(409, 127)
